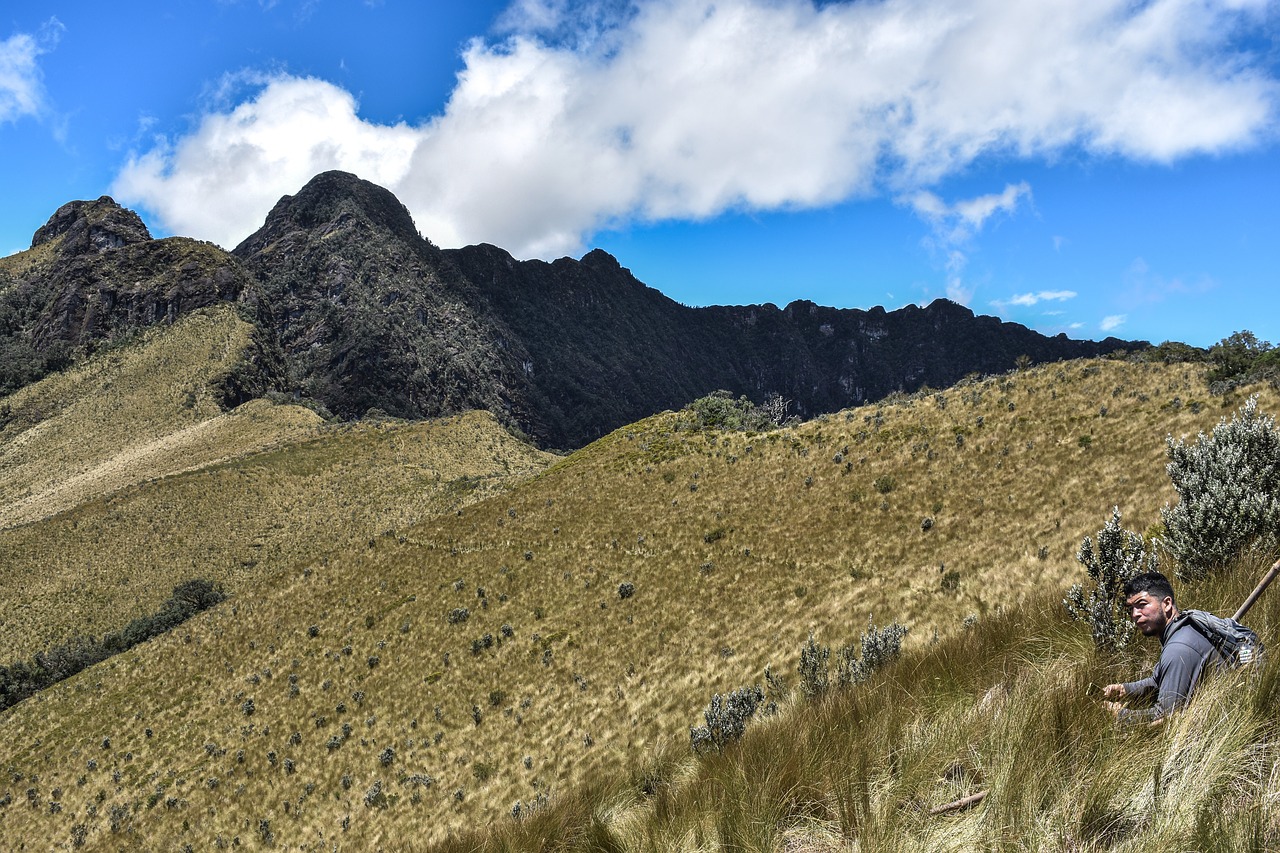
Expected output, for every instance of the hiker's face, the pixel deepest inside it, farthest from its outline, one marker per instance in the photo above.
(1149, 613)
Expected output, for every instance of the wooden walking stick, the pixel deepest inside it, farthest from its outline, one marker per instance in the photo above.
(1257, 591)
(962, 803)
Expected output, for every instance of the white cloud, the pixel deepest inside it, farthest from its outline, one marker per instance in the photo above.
(21, 89)
(219, 182)
(593, 112)
(1113, 322)
(1143, 286)
(1026, 300)
(958, 222)
(955, 224)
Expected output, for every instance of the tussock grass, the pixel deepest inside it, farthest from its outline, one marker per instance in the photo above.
(163, 492)
(1001, 707)
(738, 547)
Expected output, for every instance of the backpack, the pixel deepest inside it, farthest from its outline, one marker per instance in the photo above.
(1238, 645)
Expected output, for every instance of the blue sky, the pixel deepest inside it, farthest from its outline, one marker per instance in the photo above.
(1092, 167)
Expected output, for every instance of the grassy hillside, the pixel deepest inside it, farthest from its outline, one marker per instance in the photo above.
(348, 700)
(1003, 709)
(132, 414)
(123, 478)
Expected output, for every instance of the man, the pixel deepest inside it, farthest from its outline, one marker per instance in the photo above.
(1184, 652)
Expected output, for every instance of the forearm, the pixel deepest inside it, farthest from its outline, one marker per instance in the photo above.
(1140, 687)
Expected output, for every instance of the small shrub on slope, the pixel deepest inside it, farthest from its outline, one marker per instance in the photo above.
(813, 668)
(1228, 486)
(854, 663)
(877, 647)
(726, 718)
(1116, 556)
(721, 411)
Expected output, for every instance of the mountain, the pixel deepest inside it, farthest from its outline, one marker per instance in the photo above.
(607, 350)
(94, 275)
(369, 315)
(358, 312)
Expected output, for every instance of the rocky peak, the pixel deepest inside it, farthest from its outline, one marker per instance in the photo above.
(601, 259)
(92, 226)
(329, 201)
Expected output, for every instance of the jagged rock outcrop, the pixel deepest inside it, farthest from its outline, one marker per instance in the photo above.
(93, 275)
(369, 315)
(605, 350)
(360, 313)
(92, 226)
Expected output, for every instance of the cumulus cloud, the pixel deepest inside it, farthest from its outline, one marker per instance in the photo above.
(1113, 322)
(21, 88)
(590, 113)
(219, 182)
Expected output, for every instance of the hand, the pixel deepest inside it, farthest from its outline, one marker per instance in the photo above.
(1113, 708)
(1114, 691)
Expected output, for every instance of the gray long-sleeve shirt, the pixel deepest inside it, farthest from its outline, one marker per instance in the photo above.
(1184, 654)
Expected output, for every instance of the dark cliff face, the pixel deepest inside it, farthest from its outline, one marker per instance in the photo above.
(602, 350)
(357, 311)
(93, 275)
(605, 350)
(368, 314)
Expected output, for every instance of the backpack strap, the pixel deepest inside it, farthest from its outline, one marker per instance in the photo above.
(1235, 643)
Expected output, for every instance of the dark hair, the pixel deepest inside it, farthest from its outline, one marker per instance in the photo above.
(1152, 583)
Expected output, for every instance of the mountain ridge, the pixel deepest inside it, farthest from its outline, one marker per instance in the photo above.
(360, 313)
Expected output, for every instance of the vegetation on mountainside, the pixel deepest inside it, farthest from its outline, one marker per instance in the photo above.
(20, 363)
(1006, 706)
(1228, 485)
(719, 411)
(21, 680)
(342, 701)
(1001, 715)
(1118, 556)
(241, 522)
(123, 478)
(133, 414)
(100, 281)
(1242, 359)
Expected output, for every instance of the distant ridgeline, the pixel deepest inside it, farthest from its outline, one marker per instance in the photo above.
(356, 311)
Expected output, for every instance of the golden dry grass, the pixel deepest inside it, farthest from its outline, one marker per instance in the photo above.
(132, 414)
(27, 263)
(738, 546)
(1001, 708)
(137, 488)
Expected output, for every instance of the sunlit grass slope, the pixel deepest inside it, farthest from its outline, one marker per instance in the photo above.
(91, 569)
(351, 701)
(1004, 708)
(131, 414)
(27, 263)
(152, 484)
